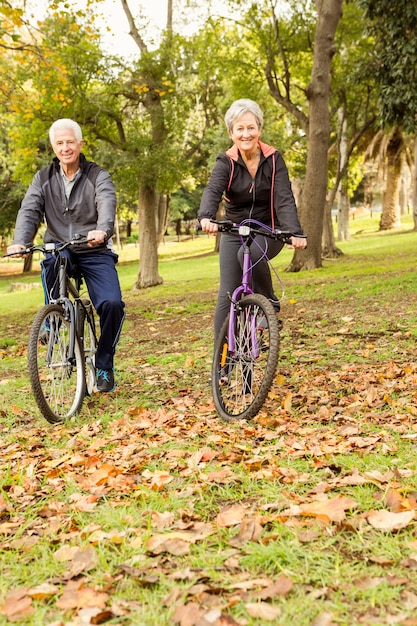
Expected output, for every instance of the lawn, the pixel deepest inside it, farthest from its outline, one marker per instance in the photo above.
(147, 509)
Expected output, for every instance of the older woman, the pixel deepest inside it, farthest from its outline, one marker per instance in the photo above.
(253, 179)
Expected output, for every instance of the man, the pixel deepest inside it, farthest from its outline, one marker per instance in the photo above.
(76, 196)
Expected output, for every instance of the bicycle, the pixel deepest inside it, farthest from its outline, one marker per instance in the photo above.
(62, 342)
(247, 348)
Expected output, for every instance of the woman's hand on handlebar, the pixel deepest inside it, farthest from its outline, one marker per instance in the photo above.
(298, 242)
(17, 250)
(207, 226)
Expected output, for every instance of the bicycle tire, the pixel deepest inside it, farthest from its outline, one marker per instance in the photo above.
(58, 385)
(241, 380)
(88, 336)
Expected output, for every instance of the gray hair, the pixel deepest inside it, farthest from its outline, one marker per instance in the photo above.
(68, 125)
(238, 108)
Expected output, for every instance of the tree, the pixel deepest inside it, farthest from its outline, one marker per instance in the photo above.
(394, 26)
(317, 124)
(133, 109)
(298, 53)
(285, 38)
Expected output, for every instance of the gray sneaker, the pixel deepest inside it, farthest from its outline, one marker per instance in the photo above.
(105, 381)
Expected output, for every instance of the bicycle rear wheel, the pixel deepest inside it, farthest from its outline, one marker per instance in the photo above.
(242, 378)
(58, 381)
(88, 336)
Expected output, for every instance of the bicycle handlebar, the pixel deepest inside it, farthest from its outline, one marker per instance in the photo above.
(246, 228)
(51, 246)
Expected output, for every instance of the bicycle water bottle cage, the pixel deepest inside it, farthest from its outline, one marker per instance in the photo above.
(244, 230)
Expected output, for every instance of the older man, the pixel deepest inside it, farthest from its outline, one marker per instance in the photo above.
(76, 196)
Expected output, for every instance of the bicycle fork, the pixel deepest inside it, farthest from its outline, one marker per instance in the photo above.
(243, 290)
(68, 354)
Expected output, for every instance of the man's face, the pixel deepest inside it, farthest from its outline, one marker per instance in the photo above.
(66, 147)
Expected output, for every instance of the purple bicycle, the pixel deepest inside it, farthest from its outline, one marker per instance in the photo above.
(247, 347)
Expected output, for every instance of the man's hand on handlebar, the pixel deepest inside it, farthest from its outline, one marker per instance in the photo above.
(207, 226)
(96, 237)
(17, 250)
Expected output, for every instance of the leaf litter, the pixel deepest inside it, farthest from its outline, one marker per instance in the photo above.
(320, 409)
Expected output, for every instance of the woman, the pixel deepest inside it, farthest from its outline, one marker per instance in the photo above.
(253, 180)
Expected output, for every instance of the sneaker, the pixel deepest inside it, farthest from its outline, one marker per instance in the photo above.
(105, 381)
(276, 304)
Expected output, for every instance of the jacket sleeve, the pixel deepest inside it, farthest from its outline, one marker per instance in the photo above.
(105, 199)
(30, 214)
(216, 186)
(284, 201)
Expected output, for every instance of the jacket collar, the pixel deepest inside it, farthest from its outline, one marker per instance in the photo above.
(83, 162)
(266, 150)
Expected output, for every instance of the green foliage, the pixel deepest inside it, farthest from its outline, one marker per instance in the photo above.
(184, 204)
(394, 26)
(158, 119)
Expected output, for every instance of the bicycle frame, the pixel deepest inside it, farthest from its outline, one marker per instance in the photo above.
(65, 288)
(244, 289)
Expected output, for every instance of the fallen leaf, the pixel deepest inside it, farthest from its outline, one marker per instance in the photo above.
(385, 520)
(187, 615)
(262, 610)
(231, 515)
(323, 619)
(250, 530)
(17, 605)
(44, 590)
(81, 598)
(280, 587)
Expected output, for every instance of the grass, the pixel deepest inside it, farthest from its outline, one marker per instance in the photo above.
(147, 509)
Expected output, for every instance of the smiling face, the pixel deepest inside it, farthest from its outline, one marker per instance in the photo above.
(67, 148)
(245, 133)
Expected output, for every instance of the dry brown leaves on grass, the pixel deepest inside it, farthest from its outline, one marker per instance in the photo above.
(118, 463)
(182, 450)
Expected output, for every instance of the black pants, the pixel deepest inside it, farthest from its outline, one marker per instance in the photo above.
(99, 271)
(231, 261)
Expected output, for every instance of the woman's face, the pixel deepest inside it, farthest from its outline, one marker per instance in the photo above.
(245, 132)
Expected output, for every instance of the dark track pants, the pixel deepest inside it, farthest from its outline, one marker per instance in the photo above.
(99, 271)
(231, 260)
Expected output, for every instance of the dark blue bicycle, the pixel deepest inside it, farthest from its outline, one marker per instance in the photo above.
(62, 342)
(247, 348)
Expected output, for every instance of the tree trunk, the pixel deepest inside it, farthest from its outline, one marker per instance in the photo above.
(415, 185)
(162, 213)
(313, 198)
(148, 244)
(343, 206)
(327, 242)
(342, 196)
(390, 217)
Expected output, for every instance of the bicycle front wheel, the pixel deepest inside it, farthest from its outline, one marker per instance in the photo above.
(88, 336)
(56, 376)
(243, 373)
